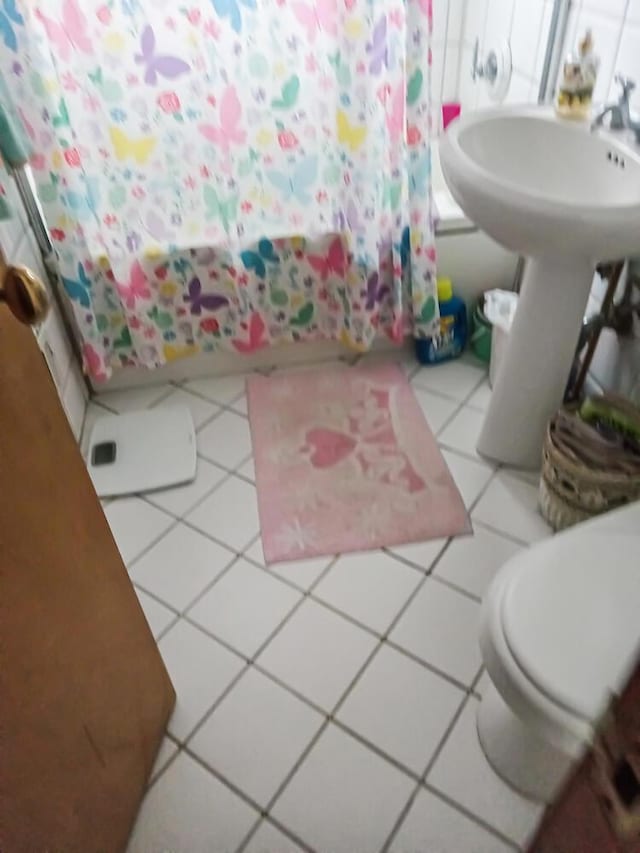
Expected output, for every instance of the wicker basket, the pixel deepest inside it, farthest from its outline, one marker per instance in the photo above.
(572, 491)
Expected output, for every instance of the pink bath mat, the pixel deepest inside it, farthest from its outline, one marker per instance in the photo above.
(345, 461)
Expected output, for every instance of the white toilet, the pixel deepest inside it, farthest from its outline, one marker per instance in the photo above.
(560, 631)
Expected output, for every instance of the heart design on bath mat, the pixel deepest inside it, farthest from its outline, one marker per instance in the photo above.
(328, 447)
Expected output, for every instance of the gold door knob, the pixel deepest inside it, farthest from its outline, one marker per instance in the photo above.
(24, 293)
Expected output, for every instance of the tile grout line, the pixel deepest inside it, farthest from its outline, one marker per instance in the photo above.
(149, 406)
(477, 599)
(434, 756)
(349, 689)
(305, 594)
(508, 536)
(269, 820)
(407, 561)
(459, 807)
(424, 785)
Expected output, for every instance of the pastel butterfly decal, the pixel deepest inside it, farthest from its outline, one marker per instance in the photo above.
(404, 247)
(376, 291)
(174, 353)
(182, 266)
(297, 183)
(414, 86)
(256, 260)
(335, 261)
(136, 288)
(349, 220)
(83, 203)
(228, 132)
(94, 363)
(231, 9)
(162, 319)
(155, 226)
(61, 118)
(78, 289)
(110, 89)
(156, 64)
(137, 149)
(396, 113)
(9, 16)
(70, 33)
(392, 193)
(320, 15)
(123, 340)
(377, 47)
(304, 316)
(350, 342)
(217, 208)
(257, 338)
(288, 94)
(419, 173)
(343, 74)
(428, 311)
(351, 135)
(198, 300)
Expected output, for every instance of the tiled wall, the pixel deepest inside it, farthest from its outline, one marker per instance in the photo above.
(19, 247)
(616, 29)
(448, 20)
(525, 23)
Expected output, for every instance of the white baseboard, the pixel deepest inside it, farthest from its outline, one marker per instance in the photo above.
(224, 363)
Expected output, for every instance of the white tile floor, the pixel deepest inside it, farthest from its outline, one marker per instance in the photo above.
(326, 705)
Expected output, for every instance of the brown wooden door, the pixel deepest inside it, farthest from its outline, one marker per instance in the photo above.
(84, 695)
(598, 811)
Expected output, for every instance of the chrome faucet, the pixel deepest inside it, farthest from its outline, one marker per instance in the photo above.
(620, 112)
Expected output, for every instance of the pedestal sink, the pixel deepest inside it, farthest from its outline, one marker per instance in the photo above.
(566, 198)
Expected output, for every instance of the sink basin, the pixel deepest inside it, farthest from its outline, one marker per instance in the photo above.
(566, 198)
(578, 192)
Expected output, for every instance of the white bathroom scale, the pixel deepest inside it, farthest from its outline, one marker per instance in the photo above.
(142, 451)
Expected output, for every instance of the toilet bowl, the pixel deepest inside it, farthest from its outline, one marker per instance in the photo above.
(559, 633)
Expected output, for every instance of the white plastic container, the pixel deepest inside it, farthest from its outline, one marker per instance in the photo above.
(500, 309)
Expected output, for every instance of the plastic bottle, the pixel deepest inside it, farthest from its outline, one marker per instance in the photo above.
(452, 337)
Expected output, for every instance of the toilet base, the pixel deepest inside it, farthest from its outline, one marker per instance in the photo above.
(523, 760)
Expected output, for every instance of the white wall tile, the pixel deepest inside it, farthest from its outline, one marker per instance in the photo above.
(26, 252)
(74, 400)
(475, 21)
(519, 89)
(54, 343)
(525, 35)
(456, 19)
(498, 24)
(12, 231)
(468, 88)
(627, 62)
(437, 72)
(633, 12)
(543, 39)
(612, 8)
(440, 21)
(450, 73)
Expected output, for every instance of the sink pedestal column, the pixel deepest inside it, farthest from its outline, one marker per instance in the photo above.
(535, 369)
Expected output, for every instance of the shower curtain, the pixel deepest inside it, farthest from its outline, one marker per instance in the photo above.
(230, 172)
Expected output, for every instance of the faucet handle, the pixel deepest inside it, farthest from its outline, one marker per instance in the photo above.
(627, 84)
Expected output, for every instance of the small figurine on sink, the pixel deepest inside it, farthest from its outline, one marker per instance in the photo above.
(579, 76)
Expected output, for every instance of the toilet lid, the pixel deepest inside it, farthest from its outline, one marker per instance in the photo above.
(571, 617)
